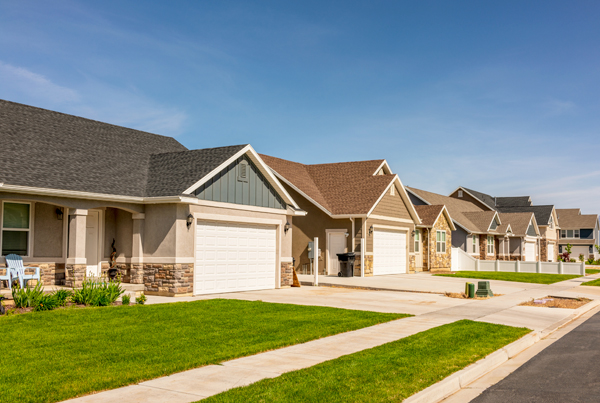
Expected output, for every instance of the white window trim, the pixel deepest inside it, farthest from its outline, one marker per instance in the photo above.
(474, 244)
(440, 242)
(576, 234)
(492, 245)
(28, 230)
(417, 241)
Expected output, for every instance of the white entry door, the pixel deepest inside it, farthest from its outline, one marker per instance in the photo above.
(336, 243)
(92, 249)
(529, 251)
(234, 257)
(389, 252)
(551, 256)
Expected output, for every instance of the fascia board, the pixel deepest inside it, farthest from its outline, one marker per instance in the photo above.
(383, 164)
(445, 212)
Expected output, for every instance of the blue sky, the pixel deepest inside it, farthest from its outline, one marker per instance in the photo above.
(502, 97)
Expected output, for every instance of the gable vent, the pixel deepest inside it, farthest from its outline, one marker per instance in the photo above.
(243, 171)
(460, 193)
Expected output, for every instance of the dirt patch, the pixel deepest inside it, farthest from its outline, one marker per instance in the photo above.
(557, 302)
(462, 295)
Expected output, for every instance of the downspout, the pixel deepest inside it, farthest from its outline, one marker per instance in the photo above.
(353, 238)
(429, 250)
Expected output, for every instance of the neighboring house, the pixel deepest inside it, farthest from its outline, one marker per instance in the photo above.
(483, 233)
(433, 239)
(352, 207)
(579, 230)
(545, 215)
(183, 221)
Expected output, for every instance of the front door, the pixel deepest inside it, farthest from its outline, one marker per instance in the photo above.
(92, 236)
(418, 251)
(336, 244)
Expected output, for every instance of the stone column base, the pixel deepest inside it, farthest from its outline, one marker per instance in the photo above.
(74, 275)
(287, 276)
(169, 280)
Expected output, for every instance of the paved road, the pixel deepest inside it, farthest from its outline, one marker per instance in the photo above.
(567, 371)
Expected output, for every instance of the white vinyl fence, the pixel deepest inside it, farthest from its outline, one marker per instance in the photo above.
(462, 261)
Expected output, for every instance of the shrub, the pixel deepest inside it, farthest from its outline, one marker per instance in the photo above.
(581, 257)
(573, 261)
(62, 296)
(47, 302)
(126, 299)
(27, 297)
(141, 300)
(590, 260)
(97, 293)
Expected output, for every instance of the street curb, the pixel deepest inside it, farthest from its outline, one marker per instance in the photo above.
(358, 287)
(460, 379)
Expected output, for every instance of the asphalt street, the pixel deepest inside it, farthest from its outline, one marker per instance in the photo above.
(567, 371)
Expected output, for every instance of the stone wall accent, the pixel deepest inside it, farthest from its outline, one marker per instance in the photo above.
(543, 250)
(368, 266)
(357, 265)
(287, 274)
(50, 273)
(425, 248)
(169, 280)
(412, 268)
(74, 275)
(440, 261)
(136, 274)
(483, 247)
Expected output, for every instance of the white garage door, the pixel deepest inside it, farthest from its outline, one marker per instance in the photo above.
(234, 257)
(529, 252)
(551, 256)
(389, 252)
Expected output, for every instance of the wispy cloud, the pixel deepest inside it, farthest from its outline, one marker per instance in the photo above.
(91, 99)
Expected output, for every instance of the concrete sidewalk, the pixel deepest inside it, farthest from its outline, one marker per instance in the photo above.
(432, 310)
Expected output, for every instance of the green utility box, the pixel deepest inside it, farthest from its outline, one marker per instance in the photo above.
(470, 290)
(484, 290)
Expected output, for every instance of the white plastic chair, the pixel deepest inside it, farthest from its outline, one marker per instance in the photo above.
(14, 263)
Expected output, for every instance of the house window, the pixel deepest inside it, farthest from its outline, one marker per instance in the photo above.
(460, 193)
(569, 233)
(417, 240)
(441, 242)
(15, 228)
(591, 249)
(576, 233)
(490, 245)
(475, 244)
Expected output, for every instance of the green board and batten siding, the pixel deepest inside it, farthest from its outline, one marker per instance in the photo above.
(227, 187)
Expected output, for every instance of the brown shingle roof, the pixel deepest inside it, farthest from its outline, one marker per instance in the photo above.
(519, 222)
(340, 188)
(481, 219)
(573, 219)
(429, 214)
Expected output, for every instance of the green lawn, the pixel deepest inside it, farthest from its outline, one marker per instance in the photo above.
(537, 278)
(388, 373)
(52, 356)
(593, 282)
(592, 271)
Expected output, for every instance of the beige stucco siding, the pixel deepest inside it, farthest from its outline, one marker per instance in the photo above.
(314, 224)
(392, 206)
(118, 225)
(48, 232)
(159, 230)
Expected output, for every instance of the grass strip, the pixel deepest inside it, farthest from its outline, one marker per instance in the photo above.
(537, 278)
(592, 271)
(388, 373)
(56, 355)
(595, 283)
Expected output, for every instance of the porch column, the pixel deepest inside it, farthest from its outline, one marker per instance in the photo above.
(76, 260)
(137, 249)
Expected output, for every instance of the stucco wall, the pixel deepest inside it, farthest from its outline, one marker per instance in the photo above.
(459, 238)
(159, 230)
(118, 225)
(48, 231)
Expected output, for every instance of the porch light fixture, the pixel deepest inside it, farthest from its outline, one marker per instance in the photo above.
(347, 234)
(189, 221)
(371, 230)
(413, 233)
(286, 227)
(59, 213)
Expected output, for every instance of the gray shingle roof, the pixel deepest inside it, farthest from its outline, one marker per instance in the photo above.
(520, 201)
(542, 213)
(46, 149)
(172, 173)
(487, 199)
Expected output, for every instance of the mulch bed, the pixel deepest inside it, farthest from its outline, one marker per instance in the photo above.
(557, 302)
(11, 310)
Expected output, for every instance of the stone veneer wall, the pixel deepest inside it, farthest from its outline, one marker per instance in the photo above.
(168, 280)
(50, 273)
(412, 264)
(483, 247)
(543, 250)
(440, 261)
(287, 274)
(368, 265)
(74, 275)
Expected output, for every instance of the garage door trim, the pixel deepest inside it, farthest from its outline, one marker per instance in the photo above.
(402, 230)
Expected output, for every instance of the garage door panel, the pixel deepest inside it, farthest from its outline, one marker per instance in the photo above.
(389, 252)
(234, 257)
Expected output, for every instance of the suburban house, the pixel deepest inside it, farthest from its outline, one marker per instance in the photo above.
(433, 239)
(483, 233)
(545, 215)
(182, 221)
(359, 207)
(579, 230)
